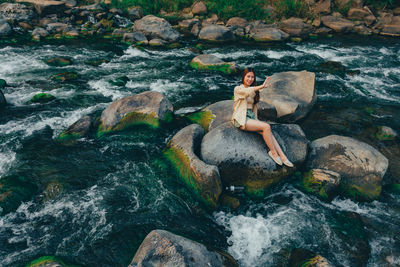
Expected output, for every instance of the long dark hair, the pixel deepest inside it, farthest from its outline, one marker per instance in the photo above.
(247, 70)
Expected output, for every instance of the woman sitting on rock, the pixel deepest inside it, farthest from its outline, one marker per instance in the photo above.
(246, 97)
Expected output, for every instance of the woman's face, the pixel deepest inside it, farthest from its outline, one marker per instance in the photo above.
(248, 79)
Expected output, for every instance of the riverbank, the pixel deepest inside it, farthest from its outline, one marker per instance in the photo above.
(41, 20)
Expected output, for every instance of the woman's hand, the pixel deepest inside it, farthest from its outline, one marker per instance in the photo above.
(266, 82)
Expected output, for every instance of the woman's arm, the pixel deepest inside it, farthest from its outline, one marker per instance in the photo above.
(265, 84)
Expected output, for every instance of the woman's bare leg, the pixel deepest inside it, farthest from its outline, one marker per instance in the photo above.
(265, 130)
(278, 149)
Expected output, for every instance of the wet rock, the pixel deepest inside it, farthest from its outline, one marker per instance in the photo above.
(290, 96)
(199, 8)
(118, 33)
(392, 28)
(96, 62)
(343, 4)
(213, 115)
(157, 42)
(210, 62)
(42, 98)
(3, 101)
(357, 14)
(229, 202)
(13, 191)
(25, 26)
(77, 130)
(187, 24)
(56, 27)
(155, 27)
(266, 33)
(46, 261)
(135, 13)
(363, 30)
(252, 167)
(120, 81)
(145, 108)
(3, 84)
(39, 33)
(237, 22)
(386, 133)
(295, 27)
(16, 12)
(196, 29)
(162, 248)
(337, 24)
(323, 183)
(322, 7)
(361, 166)
(44, 7)
(5, 28)
(332, 67)
(202, 178)
(135, 37)
(68, 76)
(305, 258)
(53, 190)
(58, 61)
(216, 33)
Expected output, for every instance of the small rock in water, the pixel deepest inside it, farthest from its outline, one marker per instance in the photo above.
(65, 76)
(386, 133)
(42, 98)
(58, 61)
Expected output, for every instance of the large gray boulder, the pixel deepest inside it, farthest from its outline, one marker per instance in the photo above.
(202, 178)
(392, 28)
(337, 24)
(155, 27)
(267, 33)
(5, 28)
(242, 157)
(216, 33)
(360, 166)
(44, 7)
(145, 108)
(295, 27)
(16, 12)
(162, 248)
(290, 96)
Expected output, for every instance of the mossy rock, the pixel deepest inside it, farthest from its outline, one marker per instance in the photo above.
(58, 61)
(203, 118)
(212, 63)
(366, 189)
(96, 62)
(175, 45)
(13, 191)
(3, 84)
(49, 261)
(120, 81)
(107, 24)
(42, 98)
(78, 129)
(65, 76)
(322, 183)
(229, 202)
(393, 188)
(385, 133)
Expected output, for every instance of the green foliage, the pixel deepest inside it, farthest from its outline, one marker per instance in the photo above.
(291, 8)
(250, 9)
(153, 7)
(379, 4)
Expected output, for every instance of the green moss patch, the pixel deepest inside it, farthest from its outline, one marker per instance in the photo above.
(67, 136)
(65, 76)
(2, 83)
(223, 67)
(181, 162)
(58, 61)
(42, 98)
(47, 261)
(364, 192)
(131, 119)
(312, 185)
(383, 136)
(203, 118)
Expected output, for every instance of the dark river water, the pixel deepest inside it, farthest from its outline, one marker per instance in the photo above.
(112, 191)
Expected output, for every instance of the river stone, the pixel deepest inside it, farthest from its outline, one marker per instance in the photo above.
(343, 4)
(306, 258)
(211, 62)
(323, 183)
(135, 13)
(392, 28)
(42, 98)
(16, 12)
(199, 8)
(145, 108)
(216, 33)
(187, 24)
(56, 27)
(157, 42)
(265, 33)
(213, 115)
(58, 61)
(322, 7)
(295, 27)
(3, 101)
(386, 133)
(155, 27)
(46, 261)
(202, 178)
(337, 24)
(5, 28)
(242, 157)
(163, 248)
(237, 21)
(363, 30)
(361, 166)
(67, 76)
(78, 129)
(39, 33)
(291, 94)
(3, 83)
(357, 13)
(44, 7)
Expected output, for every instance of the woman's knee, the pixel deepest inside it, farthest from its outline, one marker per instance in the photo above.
(266, 127)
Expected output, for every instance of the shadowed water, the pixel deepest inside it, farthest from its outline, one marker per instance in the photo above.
(110, 192)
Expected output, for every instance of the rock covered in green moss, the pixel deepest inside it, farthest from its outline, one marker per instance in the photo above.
(3, 101)
(13, 191)
(252, 167)
(360, 166)
(201, 177)
(58, 61)
(385, 133)
(323, 183)
(213, 63)
(162, 248)
(42, 98)
(147, 108)
(3, 83)
(78, 129)
(65, 76)
(213, 115)
(48, 261)
(305, 258)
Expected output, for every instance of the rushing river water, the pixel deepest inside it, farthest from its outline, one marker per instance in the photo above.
(110, 192)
